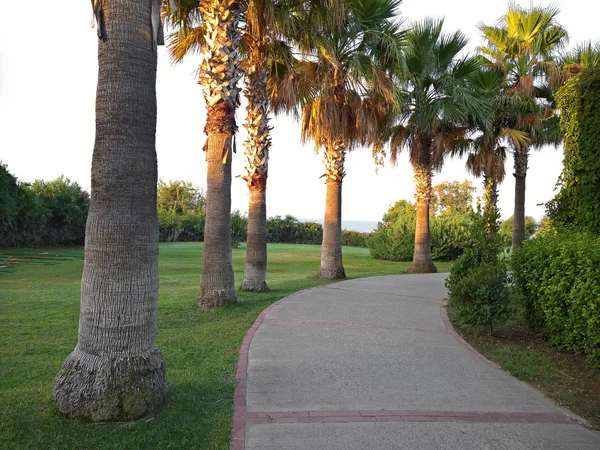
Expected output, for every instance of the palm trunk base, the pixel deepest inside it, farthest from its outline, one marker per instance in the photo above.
(217, 299)
(332, 273)
(110, 388)
(254, 286)
(422, 267)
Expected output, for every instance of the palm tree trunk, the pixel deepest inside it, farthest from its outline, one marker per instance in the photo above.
(490, 208)
(219, 74)
(422, 260)
(257, 153)
(255, 271)
(331, 248)
(521, 160)
(115, 371)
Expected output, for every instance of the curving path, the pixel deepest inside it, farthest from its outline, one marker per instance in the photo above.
(374, 364)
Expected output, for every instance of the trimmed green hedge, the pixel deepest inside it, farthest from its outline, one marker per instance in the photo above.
(559, 275)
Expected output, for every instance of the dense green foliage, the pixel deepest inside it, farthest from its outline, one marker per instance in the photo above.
(289, 230)
(42, 213)
(38, 328)
(558, 273)
(355, 238)
(452, 197)
(506, 228)
(477, 284)
(578, 201)
(394, 239)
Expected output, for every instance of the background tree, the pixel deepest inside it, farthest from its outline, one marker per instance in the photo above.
(212, 27)
(344, 97)
(524, 45)
(115, 371)
(438, 101)
(452, 197)
(486, 156)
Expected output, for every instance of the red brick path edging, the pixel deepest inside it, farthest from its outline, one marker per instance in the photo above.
(353, 325)
(403, 416)
(240, 417)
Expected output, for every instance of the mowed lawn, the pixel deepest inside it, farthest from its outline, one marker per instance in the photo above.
(39, 307)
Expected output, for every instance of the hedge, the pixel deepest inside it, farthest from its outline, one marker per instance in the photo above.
(558, 272)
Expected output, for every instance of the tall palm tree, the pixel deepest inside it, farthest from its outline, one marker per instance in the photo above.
(486, 156)
(115, 371)
(342, 92)
(211, 26)
(440, 101)
(524, 45)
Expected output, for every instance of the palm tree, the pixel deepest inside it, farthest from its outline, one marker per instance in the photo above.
(342, 91)
(439, 103)
(211, 26)
(523, 45)
(486, 156)
(115, 371)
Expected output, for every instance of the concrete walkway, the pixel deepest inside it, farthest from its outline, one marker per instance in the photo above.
(374, 364)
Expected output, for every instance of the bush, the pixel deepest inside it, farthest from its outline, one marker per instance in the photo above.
(558, 273)
(67, 206)
(289, 230)
(239, 229)
(355, 238)
(477, 284)
(41, 214)
(396, 241)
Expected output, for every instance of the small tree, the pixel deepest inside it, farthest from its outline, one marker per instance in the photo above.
(477, 283)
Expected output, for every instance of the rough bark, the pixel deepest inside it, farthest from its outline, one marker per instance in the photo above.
(257, 151)
(255, 271)
(218, 75)
(422, 260)
(491, 206)
(217, 284)
(521, 161)
(115, 371)
(331, 249)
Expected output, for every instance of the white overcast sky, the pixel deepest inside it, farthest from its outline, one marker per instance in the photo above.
(48, 75)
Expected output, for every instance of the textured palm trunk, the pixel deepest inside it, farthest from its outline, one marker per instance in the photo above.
(255, 271)
(115, 371)
(219, 74)
(331, 249)
(521, 161)
(491, 199)
(422, 260)
(257, 153)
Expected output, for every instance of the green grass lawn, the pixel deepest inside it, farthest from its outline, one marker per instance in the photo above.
(39, 308)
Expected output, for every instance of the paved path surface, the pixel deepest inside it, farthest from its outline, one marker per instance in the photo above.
(372, 364)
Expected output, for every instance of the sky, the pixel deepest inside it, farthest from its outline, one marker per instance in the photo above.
(48, 76)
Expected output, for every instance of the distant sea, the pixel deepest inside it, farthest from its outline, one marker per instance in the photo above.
(364, 226)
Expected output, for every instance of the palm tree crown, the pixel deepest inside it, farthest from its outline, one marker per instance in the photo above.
(439, 101)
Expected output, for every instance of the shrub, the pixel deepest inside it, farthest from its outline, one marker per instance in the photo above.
(396, 241)
(558, 273)
(42, 213)
(67, 206)
(354, 238)
(477, 284)
(239, 229)
(289, 230)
